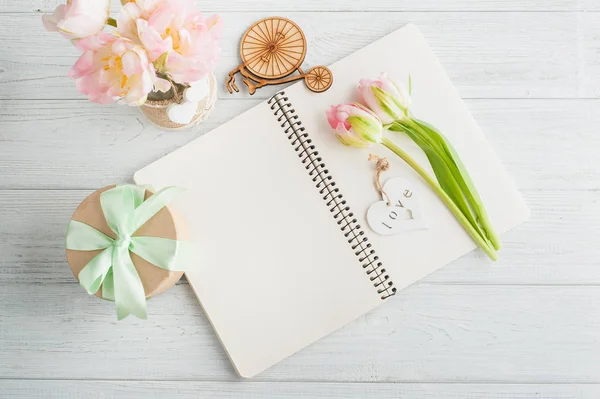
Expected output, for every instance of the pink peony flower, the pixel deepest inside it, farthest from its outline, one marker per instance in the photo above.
(389, 100)
(115, 69)
(78, 18)
(174, 27)
(355, 125)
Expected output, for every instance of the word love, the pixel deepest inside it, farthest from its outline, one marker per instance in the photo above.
(402, 216)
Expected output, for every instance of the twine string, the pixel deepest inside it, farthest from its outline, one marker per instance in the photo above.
(381, 165)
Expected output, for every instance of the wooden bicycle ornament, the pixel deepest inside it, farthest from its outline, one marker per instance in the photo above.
(272, 50)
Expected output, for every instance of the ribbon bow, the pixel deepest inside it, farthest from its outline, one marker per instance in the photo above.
(126, 211)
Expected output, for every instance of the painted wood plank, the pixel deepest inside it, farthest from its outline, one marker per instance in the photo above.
(589, 54)
(557, 246)
(275, 6)
(546, 144)
(590, 5)
(37, 389)
(488, 55)
(428, 333)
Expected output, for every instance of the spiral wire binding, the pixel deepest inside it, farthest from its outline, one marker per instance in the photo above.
(302, 144)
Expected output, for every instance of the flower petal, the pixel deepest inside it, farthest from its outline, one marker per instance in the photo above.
(152, 40)
(126, 21)
(83, 66)
(332, 116)
(94, 42)
(162, 85)
(131, 64)
(51, 20)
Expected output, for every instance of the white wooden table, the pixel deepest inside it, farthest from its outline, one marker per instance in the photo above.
(527, 327)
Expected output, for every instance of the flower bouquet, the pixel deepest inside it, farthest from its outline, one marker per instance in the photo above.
(386, 106)
(157, 54)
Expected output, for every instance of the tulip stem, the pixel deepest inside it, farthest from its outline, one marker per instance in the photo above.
(490, 251)
(112, 22)
(462, 178)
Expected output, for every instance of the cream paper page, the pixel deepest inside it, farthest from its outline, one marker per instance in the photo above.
(275, 272)
(410, 256)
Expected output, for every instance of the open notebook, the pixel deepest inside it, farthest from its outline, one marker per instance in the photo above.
(286, 254)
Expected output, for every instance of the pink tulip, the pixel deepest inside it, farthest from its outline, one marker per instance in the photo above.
(174, 27)
(115, 69)
(388, 100)
(78, 18)
(355, 125)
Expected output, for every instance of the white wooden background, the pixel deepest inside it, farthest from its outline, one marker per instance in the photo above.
(527, 327)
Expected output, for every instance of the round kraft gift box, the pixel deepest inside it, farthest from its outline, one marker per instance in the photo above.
(165, 224)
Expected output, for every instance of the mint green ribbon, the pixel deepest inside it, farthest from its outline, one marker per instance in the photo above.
(112, 269)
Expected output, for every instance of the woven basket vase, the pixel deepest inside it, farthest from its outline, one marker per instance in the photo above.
(156, 111)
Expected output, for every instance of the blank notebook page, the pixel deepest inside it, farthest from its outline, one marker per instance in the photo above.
(276, 273)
